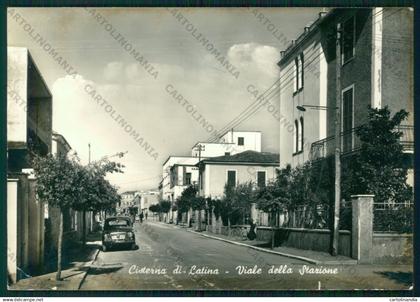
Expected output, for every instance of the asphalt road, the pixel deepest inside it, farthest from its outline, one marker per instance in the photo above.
(204, 263)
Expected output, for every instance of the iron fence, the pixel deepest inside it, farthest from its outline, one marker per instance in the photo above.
(393, 217)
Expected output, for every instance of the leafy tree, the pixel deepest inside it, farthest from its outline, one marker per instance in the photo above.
(155, 208)
(236, 203)
(198, 203)
(96, 193)
(165, 206)
(185, 201)
(58, 185)
(380, 167)
(276, 196)
(64, 183)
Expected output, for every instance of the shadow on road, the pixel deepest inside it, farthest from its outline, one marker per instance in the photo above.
(405, 278)
(74, 253)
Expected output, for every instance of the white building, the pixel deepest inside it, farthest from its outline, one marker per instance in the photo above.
(179, 172)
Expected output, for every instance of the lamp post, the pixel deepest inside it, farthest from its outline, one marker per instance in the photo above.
(337, 154)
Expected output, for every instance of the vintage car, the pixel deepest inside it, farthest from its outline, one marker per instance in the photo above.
(118, 231)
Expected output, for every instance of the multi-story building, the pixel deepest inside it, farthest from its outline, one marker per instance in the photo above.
(148, 199)
(376, 69)
(29, 130)
(128, 200)
(230, 143)
(180, 172)
(231, 170)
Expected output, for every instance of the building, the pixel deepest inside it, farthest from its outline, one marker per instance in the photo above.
(376, 69)
(230, 143)
(147, 199)
(128, 200)
(248, 166)
(180, 171)
(29, 131)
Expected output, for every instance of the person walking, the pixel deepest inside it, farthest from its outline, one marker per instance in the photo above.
(141, 217)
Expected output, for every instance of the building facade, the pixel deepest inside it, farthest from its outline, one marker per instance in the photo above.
(248, 166)
(29, 131)
(376, 69)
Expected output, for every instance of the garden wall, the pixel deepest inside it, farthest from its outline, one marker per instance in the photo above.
(392, 248)
(306, 239)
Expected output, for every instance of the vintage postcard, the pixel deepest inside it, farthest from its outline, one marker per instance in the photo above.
(210, 148)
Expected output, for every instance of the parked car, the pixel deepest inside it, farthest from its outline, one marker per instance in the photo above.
(118, 231)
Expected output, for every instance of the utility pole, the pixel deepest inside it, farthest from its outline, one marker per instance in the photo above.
(337, 195)
(84, 210)
(200, 148)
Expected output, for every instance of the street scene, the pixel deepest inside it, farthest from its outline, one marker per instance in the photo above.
(210, 149)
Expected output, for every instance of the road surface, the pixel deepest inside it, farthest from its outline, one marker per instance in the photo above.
(172, 258)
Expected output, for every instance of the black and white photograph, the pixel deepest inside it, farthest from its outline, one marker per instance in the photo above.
(210, 148)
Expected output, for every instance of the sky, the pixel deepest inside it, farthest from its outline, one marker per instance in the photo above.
(251, 44)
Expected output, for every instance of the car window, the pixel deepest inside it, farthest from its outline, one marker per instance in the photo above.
(117, 223)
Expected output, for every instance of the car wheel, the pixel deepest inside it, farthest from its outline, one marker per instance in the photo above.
(104, 248)
(133, 246)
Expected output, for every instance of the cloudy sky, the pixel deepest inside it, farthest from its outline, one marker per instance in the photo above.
(141, 99)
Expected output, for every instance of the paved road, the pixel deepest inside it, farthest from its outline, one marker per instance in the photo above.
(162, 247)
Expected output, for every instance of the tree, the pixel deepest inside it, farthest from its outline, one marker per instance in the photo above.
(155, 208)
(197, 204)
(65, 183)
(184, 202)
(236, 203)
(96, 193)
(380, 168)
(58, 185)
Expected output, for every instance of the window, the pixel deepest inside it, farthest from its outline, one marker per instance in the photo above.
(261, 179)
(301, 134)
(187, 179)
(231, 178)
(298, 73)
(348, 40)
(240, 141)
(347, 119)
(295, 137)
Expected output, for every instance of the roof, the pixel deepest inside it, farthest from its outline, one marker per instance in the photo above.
(308, 32)
(56, 135)
(249, 156)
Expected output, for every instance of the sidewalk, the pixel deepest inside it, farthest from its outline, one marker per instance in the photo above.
(313, 257)
(74, 269)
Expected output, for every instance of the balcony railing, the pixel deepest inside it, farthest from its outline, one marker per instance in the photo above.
(350, 143)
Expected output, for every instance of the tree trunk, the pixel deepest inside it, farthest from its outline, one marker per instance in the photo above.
(84, 227)
(272, 238)
(59, 248)
(228, 226)
(199, 220)
(273, 225)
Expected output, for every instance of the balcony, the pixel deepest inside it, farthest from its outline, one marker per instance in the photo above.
(350, 143)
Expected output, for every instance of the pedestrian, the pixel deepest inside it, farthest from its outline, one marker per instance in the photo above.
(141, 217)
(146, 215)
(251, 234)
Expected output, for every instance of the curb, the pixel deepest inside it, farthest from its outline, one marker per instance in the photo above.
(309, 260)
(88, 264)
(312, 261)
